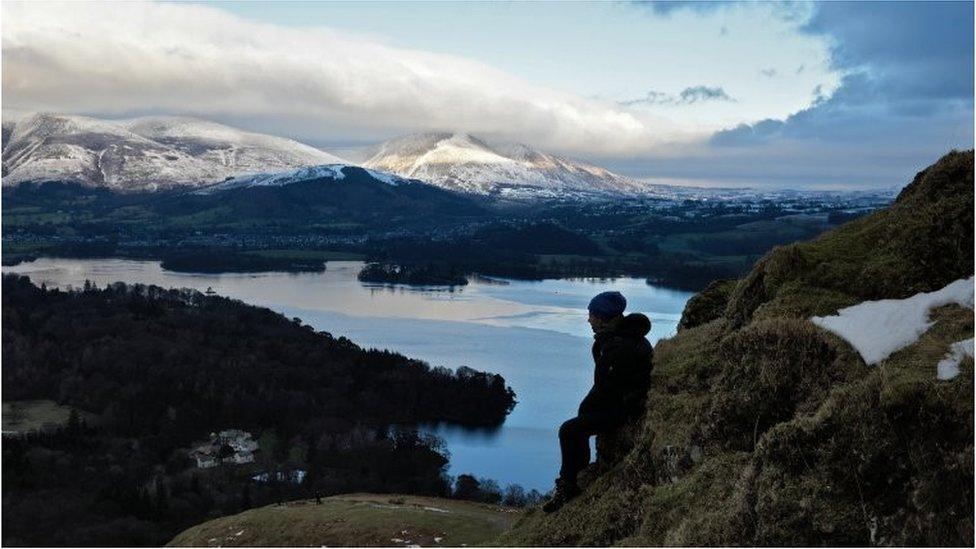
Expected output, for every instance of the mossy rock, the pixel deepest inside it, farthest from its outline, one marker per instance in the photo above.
(707, 305)
(773, 370)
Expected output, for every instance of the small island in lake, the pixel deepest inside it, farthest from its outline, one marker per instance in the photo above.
(414, 275)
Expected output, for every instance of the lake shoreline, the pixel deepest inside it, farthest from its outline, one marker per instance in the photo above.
(534, 333)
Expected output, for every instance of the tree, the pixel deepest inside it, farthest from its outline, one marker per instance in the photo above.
(490, 491)
(466, 487)
(246, 497)
(514, 496)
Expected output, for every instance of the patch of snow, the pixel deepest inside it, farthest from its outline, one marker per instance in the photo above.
(438, 539)
(384, 506)
(948, 367)
(876, 329)
(436, 510)
(387, 178)
(278, 179)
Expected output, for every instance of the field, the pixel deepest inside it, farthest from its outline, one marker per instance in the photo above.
(364, 520)
(30, 415)
(308, 254)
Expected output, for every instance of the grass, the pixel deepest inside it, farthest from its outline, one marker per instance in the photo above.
(31, 415)
(356, 520)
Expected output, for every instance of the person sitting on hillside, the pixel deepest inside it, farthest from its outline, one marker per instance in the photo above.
(623, 359)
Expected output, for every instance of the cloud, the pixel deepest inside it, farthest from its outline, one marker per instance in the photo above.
(667, 7)
(904, 63)
(119, 59)
(688, 96)
(769, 73)
(906, 96)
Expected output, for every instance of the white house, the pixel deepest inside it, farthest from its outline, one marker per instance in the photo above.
(232, 446)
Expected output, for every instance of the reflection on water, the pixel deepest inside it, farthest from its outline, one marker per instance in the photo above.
(532, 332)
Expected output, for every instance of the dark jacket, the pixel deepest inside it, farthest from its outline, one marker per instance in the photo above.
(623, 358)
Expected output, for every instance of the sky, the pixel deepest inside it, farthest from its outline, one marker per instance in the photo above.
(775, 94)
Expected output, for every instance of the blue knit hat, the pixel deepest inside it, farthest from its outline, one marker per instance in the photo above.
(608, 305)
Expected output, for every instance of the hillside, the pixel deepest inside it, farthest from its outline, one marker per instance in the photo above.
(328, 198)
(764, 429)
(356, 520)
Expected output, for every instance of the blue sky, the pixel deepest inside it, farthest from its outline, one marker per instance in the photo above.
(787, 94)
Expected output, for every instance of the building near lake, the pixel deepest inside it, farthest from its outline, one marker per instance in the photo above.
(232, 446)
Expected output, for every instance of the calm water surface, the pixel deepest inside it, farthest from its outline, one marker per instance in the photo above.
(533, 333)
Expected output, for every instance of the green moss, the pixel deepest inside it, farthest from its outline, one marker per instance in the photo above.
(707, 305)
(772, 369)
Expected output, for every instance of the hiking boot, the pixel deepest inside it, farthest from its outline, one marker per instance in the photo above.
(564, 492)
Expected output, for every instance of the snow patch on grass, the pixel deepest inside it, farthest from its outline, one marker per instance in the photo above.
(948, 367)
(876, 329)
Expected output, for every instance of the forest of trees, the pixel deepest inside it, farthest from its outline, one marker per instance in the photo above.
(155, 370)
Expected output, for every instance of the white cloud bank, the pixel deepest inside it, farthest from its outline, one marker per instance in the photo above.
(126, 58)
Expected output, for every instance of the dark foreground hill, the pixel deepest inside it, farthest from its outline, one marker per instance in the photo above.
(763, 429)
(356, 520)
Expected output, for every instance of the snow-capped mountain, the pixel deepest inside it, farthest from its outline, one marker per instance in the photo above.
(143, 154)
(45, 147)
(464, 163)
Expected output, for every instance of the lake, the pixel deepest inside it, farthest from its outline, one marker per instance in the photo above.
(532, 332)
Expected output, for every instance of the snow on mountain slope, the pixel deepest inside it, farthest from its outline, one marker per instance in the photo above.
(143, 154)
(98, 153)
(8, 128)
(280, 179)
(464, 163)
(239, 151)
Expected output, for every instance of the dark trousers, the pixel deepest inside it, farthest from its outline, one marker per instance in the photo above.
(574, 440)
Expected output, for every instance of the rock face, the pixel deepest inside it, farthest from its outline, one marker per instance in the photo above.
(763, 429)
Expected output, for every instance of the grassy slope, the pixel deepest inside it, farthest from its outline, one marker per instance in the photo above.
(763, 429)
(356, 520)
(30, 415)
